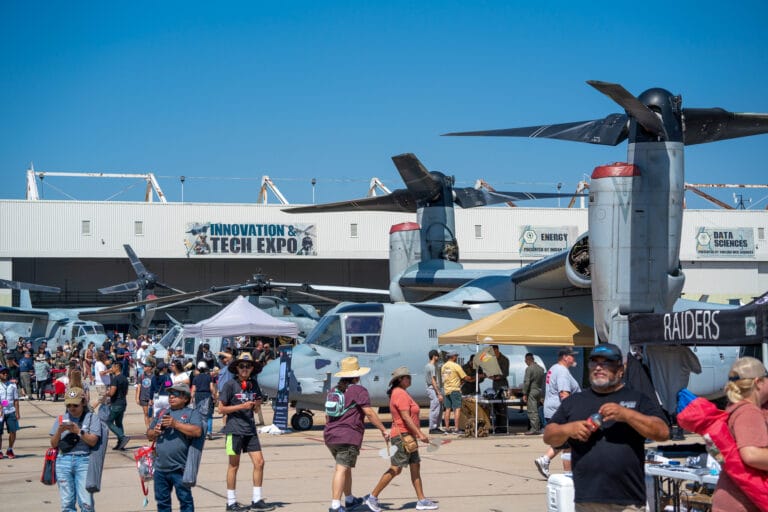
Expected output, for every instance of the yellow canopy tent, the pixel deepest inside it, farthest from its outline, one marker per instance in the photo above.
(522, 324)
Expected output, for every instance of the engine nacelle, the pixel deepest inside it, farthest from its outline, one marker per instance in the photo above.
(577, 268)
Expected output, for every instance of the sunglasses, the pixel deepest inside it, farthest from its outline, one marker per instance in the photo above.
(603, 364)
(71, 406)
(243, 366)
(175, 393)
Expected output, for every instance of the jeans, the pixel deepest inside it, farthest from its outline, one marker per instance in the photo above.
(115, 422)
(164, 482)
(71, 472)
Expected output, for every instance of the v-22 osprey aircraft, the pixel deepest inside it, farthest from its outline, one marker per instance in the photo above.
(630, 263)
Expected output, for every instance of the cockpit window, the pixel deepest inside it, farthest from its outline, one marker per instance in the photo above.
(362, 333)
(327, 333)
(99, 329)
(170, 336)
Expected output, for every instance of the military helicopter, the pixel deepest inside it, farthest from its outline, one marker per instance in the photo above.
(628, 263)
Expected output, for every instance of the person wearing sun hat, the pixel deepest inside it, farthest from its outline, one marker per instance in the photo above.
(9, 411)
(75, 434)
(343, 435)
(405, 429)
(239, 399)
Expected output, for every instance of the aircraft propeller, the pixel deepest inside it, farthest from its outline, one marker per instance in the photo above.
(19, 285)
(424, 188)
(700, 125)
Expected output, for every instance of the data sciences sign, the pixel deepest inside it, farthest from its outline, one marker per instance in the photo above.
(538, 241)
(725, 243)
(223, 238)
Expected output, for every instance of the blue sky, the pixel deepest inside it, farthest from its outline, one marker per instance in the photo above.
(225, 92)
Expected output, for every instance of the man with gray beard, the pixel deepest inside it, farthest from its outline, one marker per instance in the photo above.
(606, 427)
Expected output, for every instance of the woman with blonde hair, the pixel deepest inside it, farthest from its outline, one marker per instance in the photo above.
(747, 391)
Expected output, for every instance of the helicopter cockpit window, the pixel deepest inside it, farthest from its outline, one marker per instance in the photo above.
(80, 332)
(362, 333)
(327, 333)
(99, 329)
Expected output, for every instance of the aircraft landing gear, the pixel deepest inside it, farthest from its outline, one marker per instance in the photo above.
(302, 420)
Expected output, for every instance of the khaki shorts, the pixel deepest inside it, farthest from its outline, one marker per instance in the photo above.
(344, 454)
(401, 458)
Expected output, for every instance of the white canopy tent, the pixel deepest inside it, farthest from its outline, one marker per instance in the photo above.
(241, 318)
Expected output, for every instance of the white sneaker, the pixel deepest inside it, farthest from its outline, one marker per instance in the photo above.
(426, 504)
(542, 464)
(372, 502)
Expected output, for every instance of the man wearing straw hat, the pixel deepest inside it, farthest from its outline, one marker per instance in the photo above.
(239, 398)
(343, 433)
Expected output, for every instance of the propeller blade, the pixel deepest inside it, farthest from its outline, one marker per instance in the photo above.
(608, 131)
(191, 299)
(138, 266)
(120, 288)
(19, 285)
(398, 201)
(713, 124)
(186, 297)
(634, 107)
(315, 296)
(472, 197)
(418, 180)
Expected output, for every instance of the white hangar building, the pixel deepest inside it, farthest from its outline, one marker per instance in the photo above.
(78, 246)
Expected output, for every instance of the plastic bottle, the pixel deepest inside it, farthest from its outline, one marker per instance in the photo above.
(595, 421)
(713, 450)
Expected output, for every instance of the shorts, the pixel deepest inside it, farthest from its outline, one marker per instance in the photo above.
(452, 400)
(9, 423)
(143, 403)
(237, 444)
(344, 454)
(401, 458)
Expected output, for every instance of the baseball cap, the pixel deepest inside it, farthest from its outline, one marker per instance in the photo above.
(74, 396)
(452, 353)
(202, 366)
(566, 351)
(160, 365)
(181, 388)
(607, 350)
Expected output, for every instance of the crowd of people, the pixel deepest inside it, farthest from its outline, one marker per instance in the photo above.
(604, 426)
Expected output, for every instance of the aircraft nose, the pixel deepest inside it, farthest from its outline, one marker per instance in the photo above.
(269, 377)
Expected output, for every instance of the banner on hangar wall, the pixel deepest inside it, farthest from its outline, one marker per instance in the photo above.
(725, 243)
(545, 240)
(217, 238)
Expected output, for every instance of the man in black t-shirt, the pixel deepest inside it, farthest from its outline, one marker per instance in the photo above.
(118, 389)
(608, 451)
(240, 397)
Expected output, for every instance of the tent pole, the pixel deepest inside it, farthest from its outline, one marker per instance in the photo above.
(477, 385)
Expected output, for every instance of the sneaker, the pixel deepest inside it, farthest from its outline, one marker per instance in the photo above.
(542, 465)
(435, 431)
(123, 443)
(532, 433)
(236, 507)
(9, 453)
(350, 504)
(426, 504)
(261, 505)
(1, 455)
(372, 502)
(460, 432)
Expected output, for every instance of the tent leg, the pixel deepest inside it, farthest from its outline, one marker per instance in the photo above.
(477, 387)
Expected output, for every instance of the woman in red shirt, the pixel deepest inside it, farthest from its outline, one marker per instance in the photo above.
(747, 390)
(405, 424)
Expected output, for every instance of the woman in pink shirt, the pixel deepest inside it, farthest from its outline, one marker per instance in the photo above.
(405, 424)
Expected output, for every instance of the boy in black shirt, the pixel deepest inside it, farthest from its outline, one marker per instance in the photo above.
(118, 389)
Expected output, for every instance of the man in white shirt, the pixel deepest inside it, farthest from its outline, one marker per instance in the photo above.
(101, 379)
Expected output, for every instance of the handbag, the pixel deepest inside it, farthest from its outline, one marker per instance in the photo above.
(48, 476)
(145, 463)
(409, 443)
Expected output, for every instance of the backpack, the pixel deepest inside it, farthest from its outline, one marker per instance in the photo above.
(334, 404)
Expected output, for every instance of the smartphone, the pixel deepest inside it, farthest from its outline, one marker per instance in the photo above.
(66, 422)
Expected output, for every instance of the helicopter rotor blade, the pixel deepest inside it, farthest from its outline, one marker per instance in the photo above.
(19, 285)
(130, 286)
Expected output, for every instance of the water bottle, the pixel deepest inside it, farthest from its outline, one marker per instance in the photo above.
(595, 421)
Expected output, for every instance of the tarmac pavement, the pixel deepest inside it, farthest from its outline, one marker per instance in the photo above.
(495, 473)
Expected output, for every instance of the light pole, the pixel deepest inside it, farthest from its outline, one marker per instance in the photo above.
(182, 178)
(559, 186)
(314, 182)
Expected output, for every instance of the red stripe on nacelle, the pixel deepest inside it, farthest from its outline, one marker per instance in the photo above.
(616, 170)
(404, 226)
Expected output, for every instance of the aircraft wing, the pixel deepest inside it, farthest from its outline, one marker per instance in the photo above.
(10, 314)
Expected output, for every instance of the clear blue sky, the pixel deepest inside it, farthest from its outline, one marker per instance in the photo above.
(330, 90)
